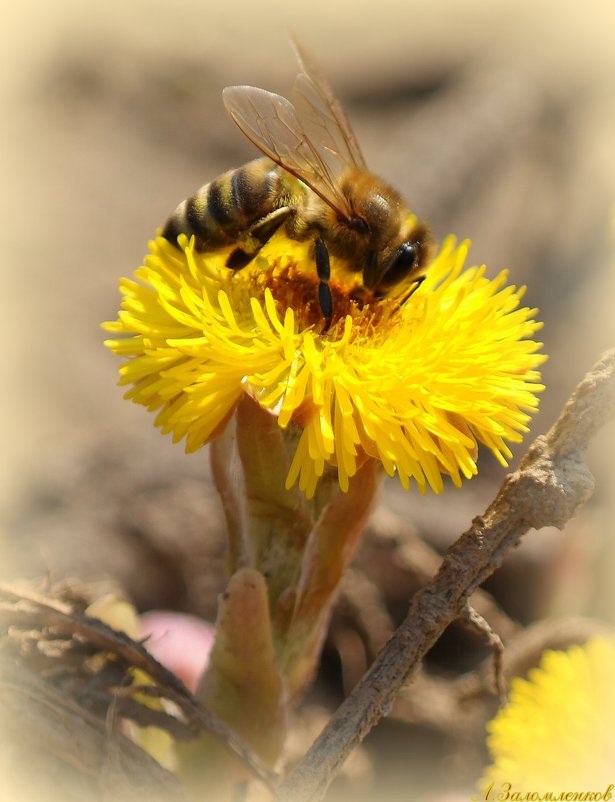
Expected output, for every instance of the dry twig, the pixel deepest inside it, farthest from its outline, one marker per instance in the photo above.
(28, 608)
(551, 483)
(45, 729)
(482, 626)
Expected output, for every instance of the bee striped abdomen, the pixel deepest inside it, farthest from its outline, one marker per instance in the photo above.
(225, 208)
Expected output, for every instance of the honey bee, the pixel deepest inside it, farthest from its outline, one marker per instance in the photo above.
(314, 183)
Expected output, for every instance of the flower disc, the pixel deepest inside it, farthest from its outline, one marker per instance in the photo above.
(414, 380)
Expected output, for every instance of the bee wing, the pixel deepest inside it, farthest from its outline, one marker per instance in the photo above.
(322, 115)
(272, 124)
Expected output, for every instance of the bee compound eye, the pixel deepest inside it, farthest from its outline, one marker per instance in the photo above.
(406, 255)
(404, 258)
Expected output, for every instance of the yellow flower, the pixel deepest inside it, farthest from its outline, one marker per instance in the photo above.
(556, 733)
(414, 382)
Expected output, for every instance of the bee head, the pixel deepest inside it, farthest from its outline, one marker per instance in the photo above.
(401, 263)
(381, 275)
(405, 256)
(387, 243)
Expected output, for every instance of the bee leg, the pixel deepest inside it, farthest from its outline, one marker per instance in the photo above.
(416, 284)
(266, 227)
(256, 236)
(240, 257)
(323, 268)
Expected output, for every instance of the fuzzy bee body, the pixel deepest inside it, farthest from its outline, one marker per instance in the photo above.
(313, 182)
(220, 212)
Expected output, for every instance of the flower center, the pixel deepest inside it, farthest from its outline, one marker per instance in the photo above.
(294, 288)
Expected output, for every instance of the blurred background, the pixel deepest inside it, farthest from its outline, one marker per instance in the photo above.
(495, 120)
